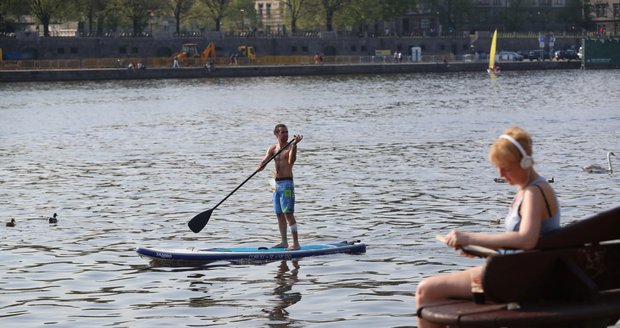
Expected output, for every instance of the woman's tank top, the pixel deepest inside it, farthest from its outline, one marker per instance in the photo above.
(513, 219)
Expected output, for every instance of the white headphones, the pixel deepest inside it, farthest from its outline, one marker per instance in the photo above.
(526, 161)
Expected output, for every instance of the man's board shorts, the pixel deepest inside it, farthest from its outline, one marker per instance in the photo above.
(284, 196)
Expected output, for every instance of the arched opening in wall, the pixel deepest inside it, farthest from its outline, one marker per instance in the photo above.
(329, 50)
(164, 52)
(30, 53)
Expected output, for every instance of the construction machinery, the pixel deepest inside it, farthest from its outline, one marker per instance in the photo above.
(248, 51)
(190, 50)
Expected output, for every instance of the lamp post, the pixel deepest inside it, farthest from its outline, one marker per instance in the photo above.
(242, 20)
(151, 22)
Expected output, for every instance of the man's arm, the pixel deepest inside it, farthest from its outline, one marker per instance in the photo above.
(292, 153)
(268, 155)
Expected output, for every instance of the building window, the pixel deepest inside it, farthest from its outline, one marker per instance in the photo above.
(425, 23)
(600, 10)
(616, 10)
(260, 10)
(61, 50)
(268, 10)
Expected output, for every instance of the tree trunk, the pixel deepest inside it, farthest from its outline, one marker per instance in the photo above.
(218, 23)
(329, 20)
(46, 26)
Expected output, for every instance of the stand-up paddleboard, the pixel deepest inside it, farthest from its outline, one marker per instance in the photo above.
(248, 253)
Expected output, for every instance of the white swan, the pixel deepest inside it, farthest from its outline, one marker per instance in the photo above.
(594, 168)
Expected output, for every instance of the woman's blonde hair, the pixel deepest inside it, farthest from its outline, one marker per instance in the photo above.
(504, 153)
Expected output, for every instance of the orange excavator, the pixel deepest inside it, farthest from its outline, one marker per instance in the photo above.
(190, 50)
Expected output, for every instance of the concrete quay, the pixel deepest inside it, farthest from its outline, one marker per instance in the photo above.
(269, 70)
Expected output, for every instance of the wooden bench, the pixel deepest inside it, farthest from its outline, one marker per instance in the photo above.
(572, 279)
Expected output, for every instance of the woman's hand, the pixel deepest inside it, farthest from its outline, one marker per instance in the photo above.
(456, 239)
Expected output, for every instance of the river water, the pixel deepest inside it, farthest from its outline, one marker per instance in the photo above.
(390, 160)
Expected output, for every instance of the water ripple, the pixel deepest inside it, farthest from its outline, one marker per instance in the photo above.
(391, 160)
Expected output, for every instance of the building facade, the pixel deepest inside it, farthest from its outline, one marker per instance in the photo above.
(270, 15)
(605, 14)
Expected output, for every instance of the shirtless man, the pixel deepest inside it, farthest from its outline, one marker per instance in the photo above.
(284, 194)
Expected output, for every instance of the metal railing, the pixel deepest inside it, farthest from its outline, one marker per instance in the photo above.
(165, 62)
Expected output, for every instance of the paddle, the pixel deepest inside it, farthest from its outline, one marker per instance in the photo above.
(200, 221)
(474, 250)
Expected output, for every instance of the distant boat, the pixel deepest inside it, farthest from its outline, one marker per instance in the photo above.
(492, 69)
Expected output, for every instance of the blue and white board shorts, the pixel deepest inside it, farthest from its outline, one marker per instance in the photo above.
(284, 196)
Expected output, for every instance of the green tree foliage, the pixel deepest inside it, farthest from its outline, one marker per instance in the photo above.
(295, 9)
(330, 9)
(241, 16)
(362, 13)
(179, 9)
(217, 10)
(100, 16)
(134, 13)
(94, 12)
(572, 17)
(392, 9)
(44, 11)
(514, 15)
(10, 10)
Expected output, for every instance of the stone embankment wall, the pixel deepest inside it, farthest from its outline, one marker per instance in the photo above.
(34, 47)
(266, 70)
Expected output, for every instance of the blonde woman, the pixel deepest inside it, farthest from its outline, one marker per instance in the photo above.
(534, 212)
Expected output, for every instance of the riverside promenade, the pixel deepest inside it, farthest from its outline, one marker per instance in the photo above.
(227, 71)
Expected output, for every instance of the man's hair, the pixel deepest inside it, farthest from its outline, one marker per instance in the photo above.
(275, 130)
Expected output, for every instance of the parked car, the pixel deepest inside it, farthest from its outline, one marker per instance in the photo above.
(524, 53)
(568, 54)
(508, 56)
(538, 54)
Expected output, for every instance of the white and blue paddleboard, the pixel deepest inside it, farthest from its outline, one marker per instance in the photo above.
(247, 253)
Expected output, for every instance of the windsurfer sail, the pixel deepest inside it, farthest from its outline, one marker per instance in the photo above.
(492, 69)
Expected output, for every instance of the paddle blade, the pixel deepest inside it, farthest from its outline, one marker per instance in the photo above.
(199, 221)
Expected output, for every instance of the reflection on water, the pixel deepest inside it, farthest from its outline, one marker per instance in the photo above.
(285, 279)
(390, 160)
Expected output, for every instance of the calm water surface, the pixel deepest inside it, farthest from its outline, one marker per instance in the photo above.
(390, 160)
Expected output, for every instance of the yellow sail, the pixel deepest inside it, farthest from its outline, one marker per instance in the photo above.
(492, 51)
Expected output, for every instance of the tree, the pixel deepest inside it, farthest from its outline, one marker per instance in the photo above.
(179, 8)
(10, 10)
(138, 12)
(44, 10)
(217, 8)
(331, 7)
(362, 13)
(295, 8)
(391, 9)
(93, 11)
(572, 17)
